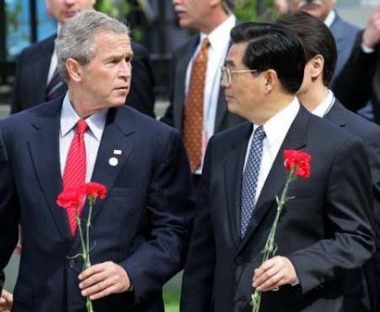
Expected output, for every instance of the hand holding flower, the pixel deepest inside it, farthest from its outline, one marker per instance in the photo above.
(73, 198)
(274, 273)
(103, 279)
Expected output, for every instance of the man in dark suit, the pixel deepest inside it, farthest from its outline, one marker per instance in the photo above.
(140, 231)
(343, 32)
(213, 21)
(362, 291)
(323, 231)
(359, 81)
(37, 64)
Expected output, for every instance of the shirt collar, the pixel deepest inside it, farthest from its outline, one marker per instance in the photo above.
(330, 18)
(278, 125)
(323, 108)
(218, 35)
(69, 119)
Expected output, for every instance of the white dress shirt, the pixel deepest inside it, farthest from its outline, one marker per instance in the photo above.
(276, 128)
(92, 136)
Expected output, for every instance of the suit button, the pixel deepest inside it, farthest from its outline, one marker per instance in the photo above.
(239, 260)
(71, 263)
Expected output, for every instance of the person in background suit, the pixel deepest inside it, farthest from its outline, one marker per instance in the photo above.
(359, 81)
(36, 67)
(323, 231)
(318, 42)
(343, 32)
(140, 231)
(213, 20)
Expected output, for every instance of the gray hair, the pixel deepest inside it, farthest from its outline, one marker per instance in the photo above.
(76, 37)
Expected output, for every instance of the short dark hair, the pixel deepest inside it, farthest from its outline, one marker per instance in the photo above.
(274, 47)
(316, 39)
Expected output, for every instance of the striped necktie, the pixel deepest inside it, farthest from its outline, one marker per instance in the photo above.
(74, 174)
(55, 87)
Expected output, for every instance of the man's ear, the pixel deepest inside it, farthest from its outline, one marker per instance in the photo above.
(317, 64)
(270, 80)
(74, 69)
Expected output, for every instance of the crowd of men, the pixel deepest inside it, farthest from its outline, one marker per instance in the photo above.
(196, 189)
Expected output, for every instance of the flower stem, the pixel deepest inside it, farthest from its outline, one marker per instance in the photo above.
(270, 245)
(85, 253)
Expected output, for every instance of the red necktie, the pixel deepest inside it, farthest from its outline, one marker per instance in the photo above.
(74, 174)
(193, 117)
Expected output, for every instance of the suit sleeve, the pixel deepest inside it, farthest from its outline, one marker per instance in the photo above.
(9, 212)
(141, 96)
(198, 276)
(348, 200)
(171, 208)
(353, 86)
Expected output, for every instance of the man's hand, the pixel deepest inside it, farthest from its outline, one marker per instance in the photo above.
(103, 279)
(6, 301)
(273, 273)
(371, 35)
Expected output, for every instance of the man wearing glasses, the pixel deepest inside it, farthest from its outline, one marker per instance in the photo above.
(323, 231)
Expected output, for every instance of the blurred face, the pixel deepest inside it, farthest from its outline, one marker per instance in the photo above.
(106, 80)
(318, 8)
(244, 92)
(192, 13)
(62, 10)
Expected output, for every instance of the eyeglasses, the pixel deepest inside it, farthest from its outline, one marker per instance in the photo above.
(227, 73)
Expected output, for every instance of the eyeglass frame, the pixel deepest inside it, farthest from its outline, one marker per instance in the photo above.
(227, 73)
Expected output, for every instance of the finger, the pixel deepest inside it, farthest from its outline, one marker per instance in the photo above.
(92, 280)
(272, 282)
(267, 278)
(91, 271)
(106, 289)
(113, 284)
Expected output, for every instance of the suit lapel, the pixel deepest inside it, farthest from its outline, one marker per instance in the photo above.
(46, 162)
(117, 136)
(295, 139)
(233, 168)
(336, 114)
(40, 69)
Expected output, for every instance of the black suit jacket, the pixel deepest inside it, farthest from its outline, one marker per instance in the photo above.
(359, 80)
(175, 111)
(363, 285)
(33, 68)
(143, 224)
(324, 230)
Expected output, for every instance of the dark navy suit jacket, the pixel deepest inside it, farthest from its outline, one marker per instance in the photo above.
(323, 230)
(143, 224)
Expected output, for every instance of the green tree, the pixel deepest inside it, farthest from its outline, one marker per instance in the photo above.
(247, 10)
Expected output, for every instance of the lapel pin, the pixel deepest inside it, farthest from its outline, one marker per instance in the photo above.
(113, 161)
(117, 152)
